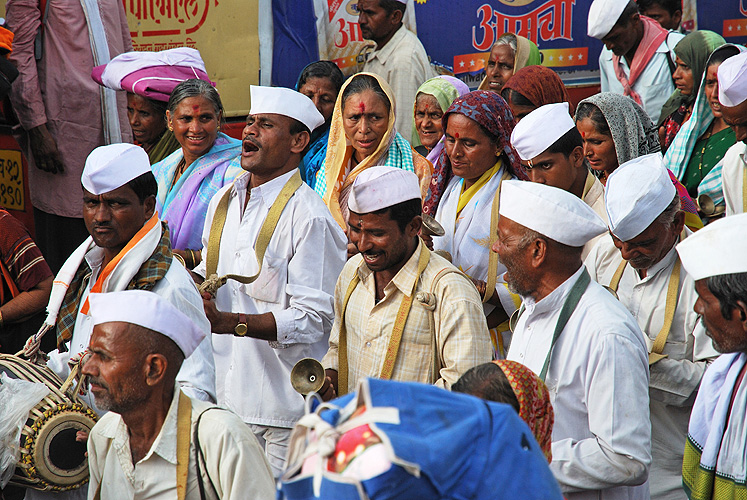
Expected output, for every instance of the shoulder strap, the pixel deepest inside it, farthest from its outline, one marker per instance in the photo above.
(212, 281)
(429, 302)
(200, 463)
(11, 284)
(183, 423)
(744, 190)
(492, 237)
(615, 281)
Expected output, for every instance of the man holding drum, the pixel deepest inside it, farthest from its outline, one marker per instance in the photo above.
(156, 441)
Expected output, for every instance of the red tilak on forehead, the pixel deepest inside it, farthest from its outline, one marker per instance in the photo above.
(362, 107)
(195, 107)
(583, 134)
(427, 107)
(456, 135)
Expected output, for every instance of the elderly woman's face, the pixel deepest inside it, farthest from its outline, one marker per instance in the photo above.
(195, 124)
(428, 116)
(500, 67)
(147, 123)
(599, 148)
(365, 119)
(470, 150)
(322, 92)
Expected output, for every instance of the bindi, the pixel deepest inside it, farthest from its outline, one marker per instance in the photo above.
(195, 107)
(456, 135)
(362, 107)
(583, 134)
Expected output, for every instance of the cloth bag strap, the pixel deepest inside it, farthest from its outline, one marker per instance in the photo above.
(493, 256)
(212, 281)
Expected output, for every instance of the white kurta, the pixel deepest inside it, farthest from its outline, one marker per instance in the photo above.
(598, 383)
(735, 161)
(234, 462)
(675, 379)
(303, 260)
(654, 85)
(197, 374)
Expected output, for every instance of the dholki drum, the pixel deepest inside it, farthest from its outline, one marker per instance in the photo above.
(51, 459)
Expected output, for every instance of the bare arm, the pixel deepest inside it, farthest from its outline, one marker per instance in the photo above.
(28, 303)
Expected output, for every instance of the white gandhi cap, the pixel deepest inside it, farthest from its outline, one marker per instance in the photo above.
(732, 80)
(286, 102)
(380, 187)
(540, 129)
(552, 212)
(603, 14)
(637, 192)
(717, 249)
(111, 167)
(149, 310)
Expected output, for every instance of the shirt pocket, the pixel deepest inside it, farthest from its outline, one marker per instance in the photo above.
(270, 285)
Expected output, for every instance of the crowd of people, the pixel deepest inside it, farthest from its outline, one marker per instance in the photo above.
(565, 280)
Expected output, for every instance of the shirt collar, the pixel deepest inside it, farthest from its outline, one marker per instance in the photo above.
(743, 152)
(385, 52)
(554, 300)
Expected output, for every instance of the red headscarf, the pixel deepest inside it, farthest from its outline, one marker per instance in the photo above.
(535, 407)
(540, 85)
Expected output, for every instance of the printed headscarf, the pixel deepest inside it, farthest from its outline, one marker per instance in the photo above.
(535, 407)
(540, 85)
(492, 113)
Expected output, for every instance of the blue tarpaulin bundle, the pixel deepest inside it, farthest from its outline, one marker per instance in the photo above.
(444, 446)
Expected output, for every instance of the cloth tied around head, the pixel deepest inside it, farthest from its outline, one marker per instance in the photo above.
(380, 187)
(550, 211)
(286, 102)
(540, 129)
(110, 167)
(148, 310)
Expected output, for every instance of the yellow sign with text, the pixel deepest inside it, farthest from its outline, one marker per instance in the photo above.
(225, 32)
(11, 180)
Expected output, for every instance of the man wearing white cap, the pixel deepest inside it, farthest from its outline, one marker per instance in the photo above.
(128, 248)
(580, 340)
(638, 261)
(715, 465)
(276, 234)
(638, 55)
(156, 441)
(552, 152)
(399, 57)
(401, 311)
(732, 95)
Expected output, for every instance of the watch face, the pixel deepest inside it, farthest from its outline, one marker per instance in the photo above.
(240, 329)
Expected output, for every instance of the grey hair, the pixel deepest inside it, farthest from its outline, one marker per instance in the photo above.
(507, 39)
(528, 237)
(195, 88)
(670, 213)
(728, 289)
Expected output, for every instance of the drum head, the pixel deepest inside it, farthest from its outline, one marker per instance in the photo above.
(59, 458)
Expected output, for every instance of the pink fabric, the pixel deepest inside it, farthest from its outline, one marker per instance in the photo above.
(653, 36)
(70, 105)
(155, 82)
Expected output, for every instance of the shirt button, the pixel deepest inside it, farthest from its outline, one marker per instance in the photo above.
(368, 344)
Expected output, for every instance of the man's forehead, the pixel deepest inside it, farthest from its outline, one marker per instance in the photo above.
(270, 117)
(121, 192)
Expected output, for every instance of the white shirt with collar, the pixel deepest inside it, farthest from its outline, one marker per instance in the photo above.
(654, 85)
(598, 383)
(735, 161)
(234, 462)
(675, 379)
(404, 64)
(303, 260)
(197, 374)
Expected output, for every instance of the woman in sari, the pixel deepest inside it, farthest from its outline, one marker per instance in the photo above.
(615, 130)
(149, 78)
(697, 150)
(514, 384)
(507, 56)
(692, 53)
(189, 177)
(363, 135)
(321, 82)
(532, 87)
(477, 149)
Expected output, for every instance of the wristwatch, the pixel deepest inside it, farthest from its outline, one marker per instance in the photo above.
(241, 328)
